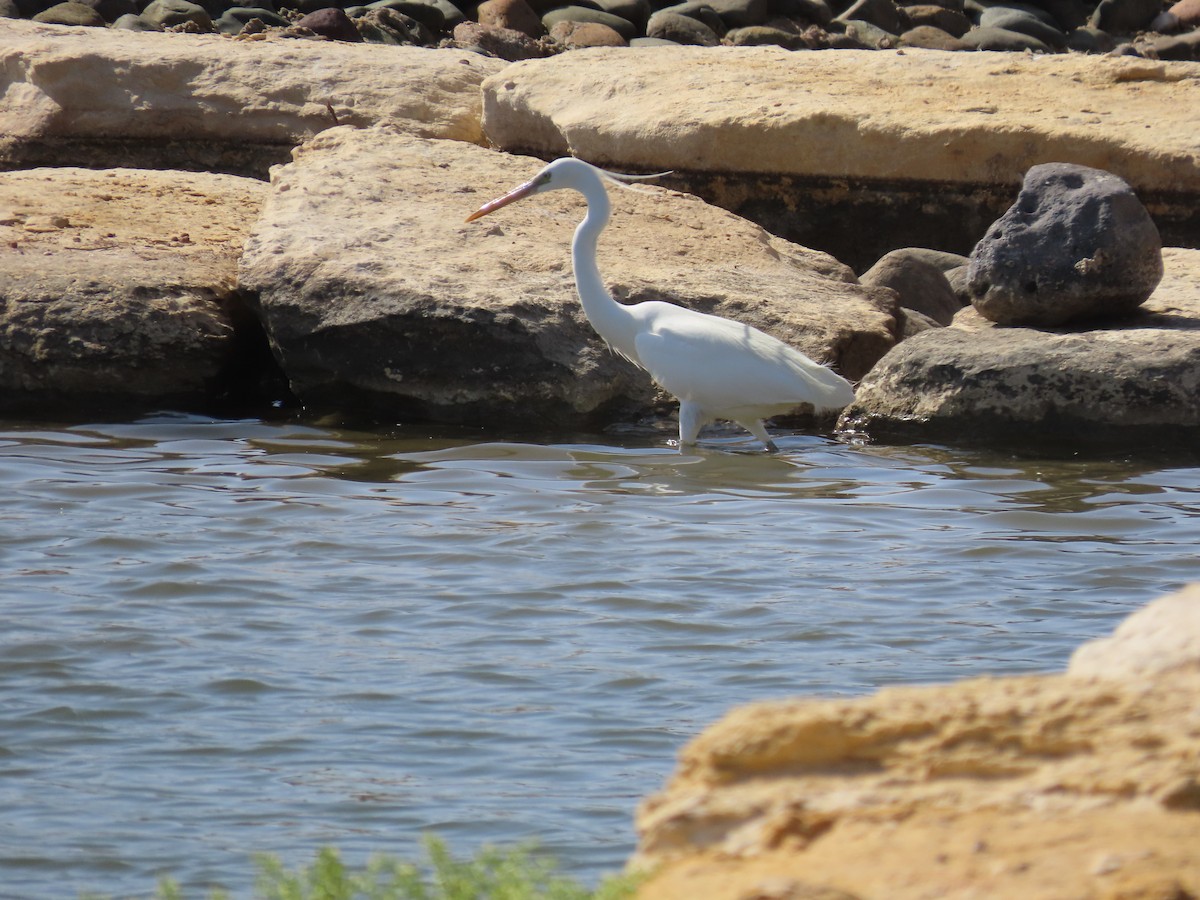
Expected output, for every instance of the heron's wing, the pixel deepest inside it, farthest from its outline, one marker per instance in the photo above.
(725, 366)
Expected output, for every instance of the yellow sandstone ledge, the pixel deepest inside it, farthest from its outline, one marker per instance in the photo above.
(1083, 785)
(924, 115)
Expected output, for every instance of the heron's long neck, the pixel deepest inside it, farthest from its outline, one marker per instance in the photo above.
(612, 321)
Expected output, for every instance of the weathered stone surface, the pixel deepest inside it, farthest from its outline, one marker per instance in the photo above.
(209, 102)
(1077, 244)
(922, 115)
(376, 294)
(920, 284)
(120, 285)
(1161, 636)
(1039, 787)
(979, 381)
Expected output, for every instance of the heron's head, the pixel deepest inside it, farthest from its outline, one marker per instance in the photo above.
(562, 173)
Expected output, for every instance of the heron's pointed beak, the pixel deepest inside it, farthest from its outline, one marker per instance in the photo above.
(512, 196)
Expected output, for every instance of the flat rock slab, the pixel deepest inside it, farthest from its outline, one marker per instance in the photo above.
(95, 96)
(924, 115)
(119, 285)
(1039, 787)
(979, 381)
(377, 295)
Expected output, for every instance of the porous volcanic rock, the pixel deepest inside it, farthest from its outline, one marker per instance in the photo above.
(1038, 787)
(119, 287)
(377, 295)
(208, 102)
(1077, 244)
(975, 380)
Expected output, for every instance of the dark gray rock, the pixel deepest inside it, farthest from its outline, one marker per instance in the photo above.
(135, 23)
(635, 11)
(930, 38)
(1124, 16)
(883, 14)
(234, 19)
(701, 12)
(71, 13)
(951, 21)
(1090, 40)
(740, 13)
(681, 29)
(1076, 245)
(765, 35)
(1003, 40)
(1174, 46)
(430, 16)
(168, 13)
(9, 9)
(1067, 14)
(817, 12)
(623, 27)
(919, 283)
(1024, 22)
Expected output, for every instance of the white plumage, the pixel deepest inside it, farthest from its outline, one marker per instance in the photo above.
(718, 368)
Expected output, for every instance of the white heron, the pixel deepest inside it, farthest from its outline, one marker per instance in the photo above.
(716, 367)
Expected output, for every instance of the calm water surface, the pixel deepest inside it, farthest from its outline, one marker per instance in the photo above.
(224, 637)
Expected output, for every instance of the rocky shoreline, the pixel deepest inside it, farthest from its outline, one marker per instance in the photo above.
(354, 268)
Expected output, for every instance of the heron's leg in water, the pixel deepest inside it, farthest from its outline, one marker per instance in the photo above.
(691, 420)
(759, 430)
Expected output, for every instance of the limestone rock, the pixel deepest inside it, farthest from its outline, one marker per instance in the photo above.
(1077, 244)
(937, 120)
(920, 283)
(377, 295)
(976, 380)
(119, 286)
(209, 102)
(1038, 787)
(1161, 636)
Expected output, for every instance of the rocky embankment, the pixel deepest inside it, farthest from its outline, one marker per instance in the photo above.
(355, 267)
(1084, 784)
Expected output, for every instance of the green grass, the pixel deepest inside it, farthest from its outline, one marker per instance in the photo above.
(493, 874)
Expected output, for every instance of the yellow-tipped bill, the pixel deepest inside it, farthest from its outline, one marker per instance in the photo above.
(511, 197)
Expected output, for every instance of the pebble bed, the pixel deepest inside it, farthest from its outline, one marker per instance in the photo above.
(529, 29)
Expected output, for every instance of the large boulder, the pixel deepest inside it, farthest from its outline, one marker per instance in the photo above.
(1038, 787)
(1077, 244)
(114, 97)
(979, 381)
(119, 287)
(377, 295)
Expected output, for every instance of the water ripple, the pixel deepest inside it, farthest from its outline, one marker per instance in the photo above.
(224, 637)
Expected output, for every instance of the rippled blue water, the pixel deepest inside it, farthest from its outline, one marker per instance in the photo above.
(223, 637)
